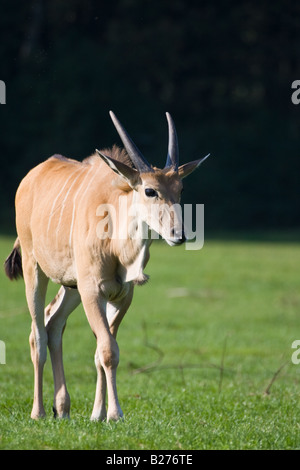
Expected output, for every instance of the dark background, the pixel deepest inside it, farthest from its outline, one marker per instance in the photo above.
(222, 69)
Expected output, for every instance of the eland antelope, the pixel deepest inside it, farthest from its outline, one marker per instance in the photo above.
(63, 210)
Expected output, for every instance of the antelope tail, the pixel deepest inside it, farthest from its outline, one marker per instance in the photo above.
(13, 263)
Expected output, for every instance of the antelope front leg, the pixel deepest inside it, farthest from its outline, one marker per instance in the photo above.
(115, 312)
(106, 357)
(99, 409)
(106, 360)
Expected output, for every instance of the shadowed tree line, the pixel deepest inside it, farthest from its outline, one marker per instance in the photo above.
(222, 69)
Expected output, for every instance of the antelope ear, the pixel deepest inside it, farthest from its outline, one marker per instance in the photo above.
(130, 175)
(188, 168)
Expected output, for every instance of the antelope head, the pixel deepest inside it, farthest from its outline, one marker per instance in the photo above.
(156, 191)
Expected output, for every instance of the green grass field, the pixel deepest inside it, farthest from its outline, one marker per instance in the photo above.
(202, 343)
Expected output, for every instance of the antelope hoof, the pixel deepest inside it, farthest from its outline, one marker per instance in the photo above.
(38, 414)
(115, 415)
(98, 417)
(62, 415)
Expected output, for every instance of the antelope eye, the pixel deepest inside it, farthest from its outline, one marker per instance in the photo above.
(150, 192)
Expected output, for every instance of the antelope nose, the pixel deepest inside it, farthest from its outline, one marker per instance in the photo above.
(178, 236)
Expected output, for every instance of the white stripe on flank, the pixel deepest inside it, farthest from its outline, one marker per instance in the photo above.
(83, 194)
(96, 170)
(74, 200)
(64, 201)
(54, 202)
